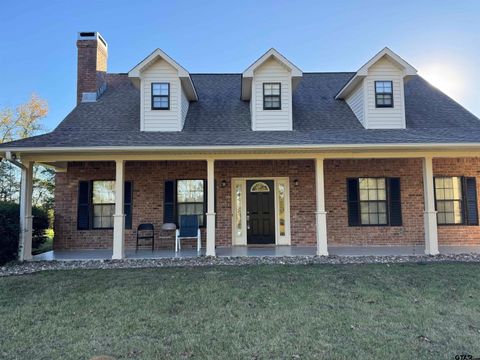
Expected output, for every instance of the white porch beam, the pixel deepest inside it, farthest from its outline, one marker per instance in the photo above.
(264, 154)
(210, 251)
(119, 216)
(26, 218)
(430, 215)
(320, 214)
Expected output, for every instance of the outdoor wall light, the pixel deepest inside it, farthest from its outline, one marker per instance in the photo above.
(295, 182)
(224, 183)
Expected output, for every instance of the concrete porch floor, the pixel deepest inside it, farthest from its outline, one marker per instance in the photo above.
(238, 251)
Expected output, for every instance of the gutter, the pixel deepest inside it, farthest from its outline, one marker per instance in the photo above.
(400, 146)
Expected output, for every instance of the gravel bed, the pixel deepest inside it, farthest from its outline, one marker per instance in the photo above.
(16, 268)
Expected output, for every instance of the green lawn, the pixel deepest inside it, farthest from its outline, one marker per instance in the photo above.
(287, 312)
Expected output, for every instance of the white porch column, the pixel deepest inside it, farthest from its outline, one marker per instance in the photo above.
(430, 215)
(26, 219)
(211, 208)
(119, 216)
(321, 214)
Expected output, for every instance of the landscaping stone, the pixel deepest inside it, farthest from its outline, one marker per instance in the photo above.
(16, 268)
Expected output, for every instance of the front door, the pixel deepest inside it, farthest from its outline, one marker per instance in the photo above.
(260, 212)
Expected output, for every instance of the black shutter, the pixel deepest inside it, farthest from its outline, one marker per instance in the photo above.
(169, 202)
(394, 202)
(127, 204)
(353, 202)
(470, 200)
(83, 211)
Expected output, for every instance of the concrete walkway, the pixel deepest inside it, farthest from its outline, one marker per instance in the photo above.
(248, 251)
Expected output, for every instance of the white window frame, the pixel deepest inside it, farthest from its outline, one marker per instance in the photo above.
(242, 239)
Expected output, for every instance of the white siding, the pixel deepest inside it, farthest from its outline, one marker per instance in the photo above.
(384, 118)
(357, 103)
(161, 120)
(271, 71)
(185, 103)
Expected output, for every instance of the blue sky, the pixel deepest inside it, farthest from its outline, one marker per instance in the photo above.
(38, 52)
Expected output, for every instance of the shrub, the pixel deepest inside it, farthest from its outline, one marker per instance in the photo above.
(9, 229)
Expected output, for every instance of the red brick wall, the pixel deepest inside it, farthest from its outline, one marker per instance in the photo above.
(149, 177)
(410, 173)
(458, 234)
(148, 182)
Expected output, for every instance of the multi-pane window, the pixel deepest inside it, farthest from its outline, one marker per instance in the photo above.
(448, 194)
(373, 201)
(383, 94)
(103, 202)
(160, 96)
(272, 96)
(191, 199)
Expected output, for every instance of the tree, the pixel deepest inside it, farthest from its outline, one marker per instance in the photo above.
(23, 122)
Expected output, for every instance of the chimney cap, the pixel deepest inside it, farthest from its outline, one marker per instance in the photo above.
(91, 35)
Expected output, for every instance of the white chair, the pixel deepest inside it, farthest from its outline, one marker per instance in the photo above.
(189, 229)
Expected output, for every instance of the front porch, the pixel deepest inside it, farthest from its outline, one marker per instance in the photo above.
(254, 251)
(308, 198)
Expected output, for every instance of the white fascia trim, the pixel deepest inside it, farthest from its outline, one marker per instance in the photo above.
(183, 74)
(296, 72)
(408, 70)
(393, 146)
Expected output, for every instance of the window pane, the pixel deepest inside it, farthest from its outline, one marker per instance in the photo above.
(364, 207)
(276, 89)
(365, 219)
(103, 192)
(382, 219)
(97, 222)
(281, 209)
(164, 89)
(238, 209)
(160, 89)
(373, 219)
(155, 89)
(382, 194)
(363, 194)
(190, 191)
(382, 207)
(372, 207)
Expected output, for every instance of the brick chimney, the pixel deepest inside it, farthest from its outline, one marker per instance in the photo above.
(91, 66)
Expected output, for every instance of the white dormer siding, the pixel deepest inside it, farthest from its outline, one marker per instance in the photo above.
(385, 118)
(359, 92)
(271, 71)
(161, 120)
(184, 106)
(271, 67)
(356, 101)
(158, 67)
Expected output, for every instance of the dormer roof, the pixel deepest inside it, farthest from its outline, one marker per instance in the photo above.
(248, 74)
(408, 70)
(183, 74)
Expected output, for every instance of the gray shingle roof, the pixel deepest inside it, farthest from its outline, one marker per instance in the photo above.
(220, 118)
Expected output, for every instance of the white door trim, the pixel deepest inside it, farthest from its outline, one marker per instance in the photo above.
(242, 182)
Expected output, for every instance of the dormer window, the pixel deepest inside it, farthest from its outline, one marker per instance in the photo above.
(160, 96)
(271, 96)
(383, 94)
